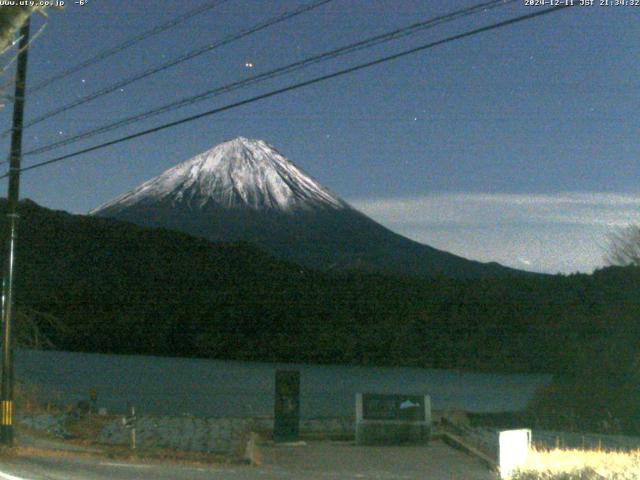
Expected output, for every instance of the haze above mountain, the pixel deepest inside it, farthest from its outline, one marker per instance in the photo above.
(245, 190)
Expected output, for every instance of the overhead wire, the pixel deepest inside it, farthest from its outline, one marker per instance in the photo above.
(172, 63)
(277, 72)
(15, 57)
(299, 85)
(8, 98)
(127, 44)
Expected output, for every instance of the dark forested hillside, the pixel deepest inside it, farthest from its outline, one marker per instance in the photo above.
(120, 288)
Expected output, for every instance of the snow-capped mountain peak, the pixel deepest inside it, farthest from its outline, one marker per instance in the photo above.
(240, 173)
(245, 191)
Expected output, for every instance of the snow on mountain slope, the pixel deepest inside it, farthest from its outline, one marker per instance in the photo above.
(240, 173)
(245, 191)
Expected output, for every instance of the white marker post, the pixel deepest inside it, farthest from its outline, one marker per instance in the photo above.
(514, 447)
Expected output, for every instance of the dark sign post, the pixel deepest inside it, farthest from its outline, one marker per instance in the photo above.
(286, 427)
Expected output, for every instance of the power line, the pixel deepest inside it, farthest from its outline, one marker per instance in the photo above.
(127, 43)
(172, 63)
(357, 46)
(296, 86)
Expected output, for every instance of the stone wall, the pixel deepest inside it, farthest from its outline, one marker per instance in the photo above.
(210, 434)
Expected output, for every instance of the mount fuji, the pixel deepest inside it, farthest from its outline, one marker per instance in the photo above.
(245, 190)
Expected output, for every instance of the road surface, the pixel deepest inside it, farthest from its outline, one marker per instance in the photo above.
(314, 461)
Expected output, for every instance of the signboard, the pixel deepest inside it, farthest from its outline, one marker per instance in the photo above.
(393, 407)
(392, 419)
(286, 426)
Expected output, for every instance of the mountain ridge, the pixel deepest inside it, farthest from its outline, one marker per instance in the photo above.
(245, 190)
(235, 174)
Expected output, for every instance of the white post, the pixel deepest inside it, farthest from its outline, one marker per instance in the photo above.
(427, 409)
(514, 447)
(133, 428)
(359, 412)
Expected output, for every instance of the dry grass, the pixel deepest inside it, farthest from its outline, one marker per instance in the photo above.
(89, 427)
(27, 399)
(580, 464)
(247, 449)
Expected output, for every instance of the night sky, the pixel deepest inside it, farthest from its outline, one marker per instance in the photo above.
(519, 145)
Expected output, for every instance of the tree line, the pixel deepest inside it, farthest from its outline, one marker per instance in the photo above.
(118, 288)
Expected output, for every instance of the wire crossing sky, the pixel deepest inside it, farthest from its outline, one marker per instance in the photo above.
(518, 145)
(293, 87)
(190, 100)
(183, 58)
(103, 55)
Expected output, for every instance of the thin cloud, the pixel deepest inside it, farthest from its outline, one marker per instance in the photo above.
(564, 232)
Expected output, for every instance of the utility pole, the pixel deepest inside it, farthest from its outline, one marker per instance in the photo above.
(8, 300)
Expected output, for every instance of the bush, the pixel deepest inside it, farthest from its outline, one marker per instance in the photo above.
(582, 474)
(599, 393)
(579, 465)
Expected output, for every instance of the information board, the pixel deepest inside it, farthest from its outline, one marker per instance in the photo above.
(393, 407)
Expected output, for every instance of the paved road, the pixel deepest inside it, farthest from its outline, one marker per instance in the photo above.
(315, 461)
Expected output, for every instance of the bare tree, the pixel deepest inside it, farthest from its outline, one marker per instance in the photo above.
(34, 329)
(624, 246)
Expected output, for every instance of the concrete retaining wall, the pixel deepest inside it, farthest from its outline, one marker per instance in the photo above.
(209, 434)
(392, 433)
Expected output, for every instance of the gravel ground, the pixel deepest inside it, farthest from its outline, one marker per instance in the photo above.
(312, 461)
(315, 460)
(343, 460)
